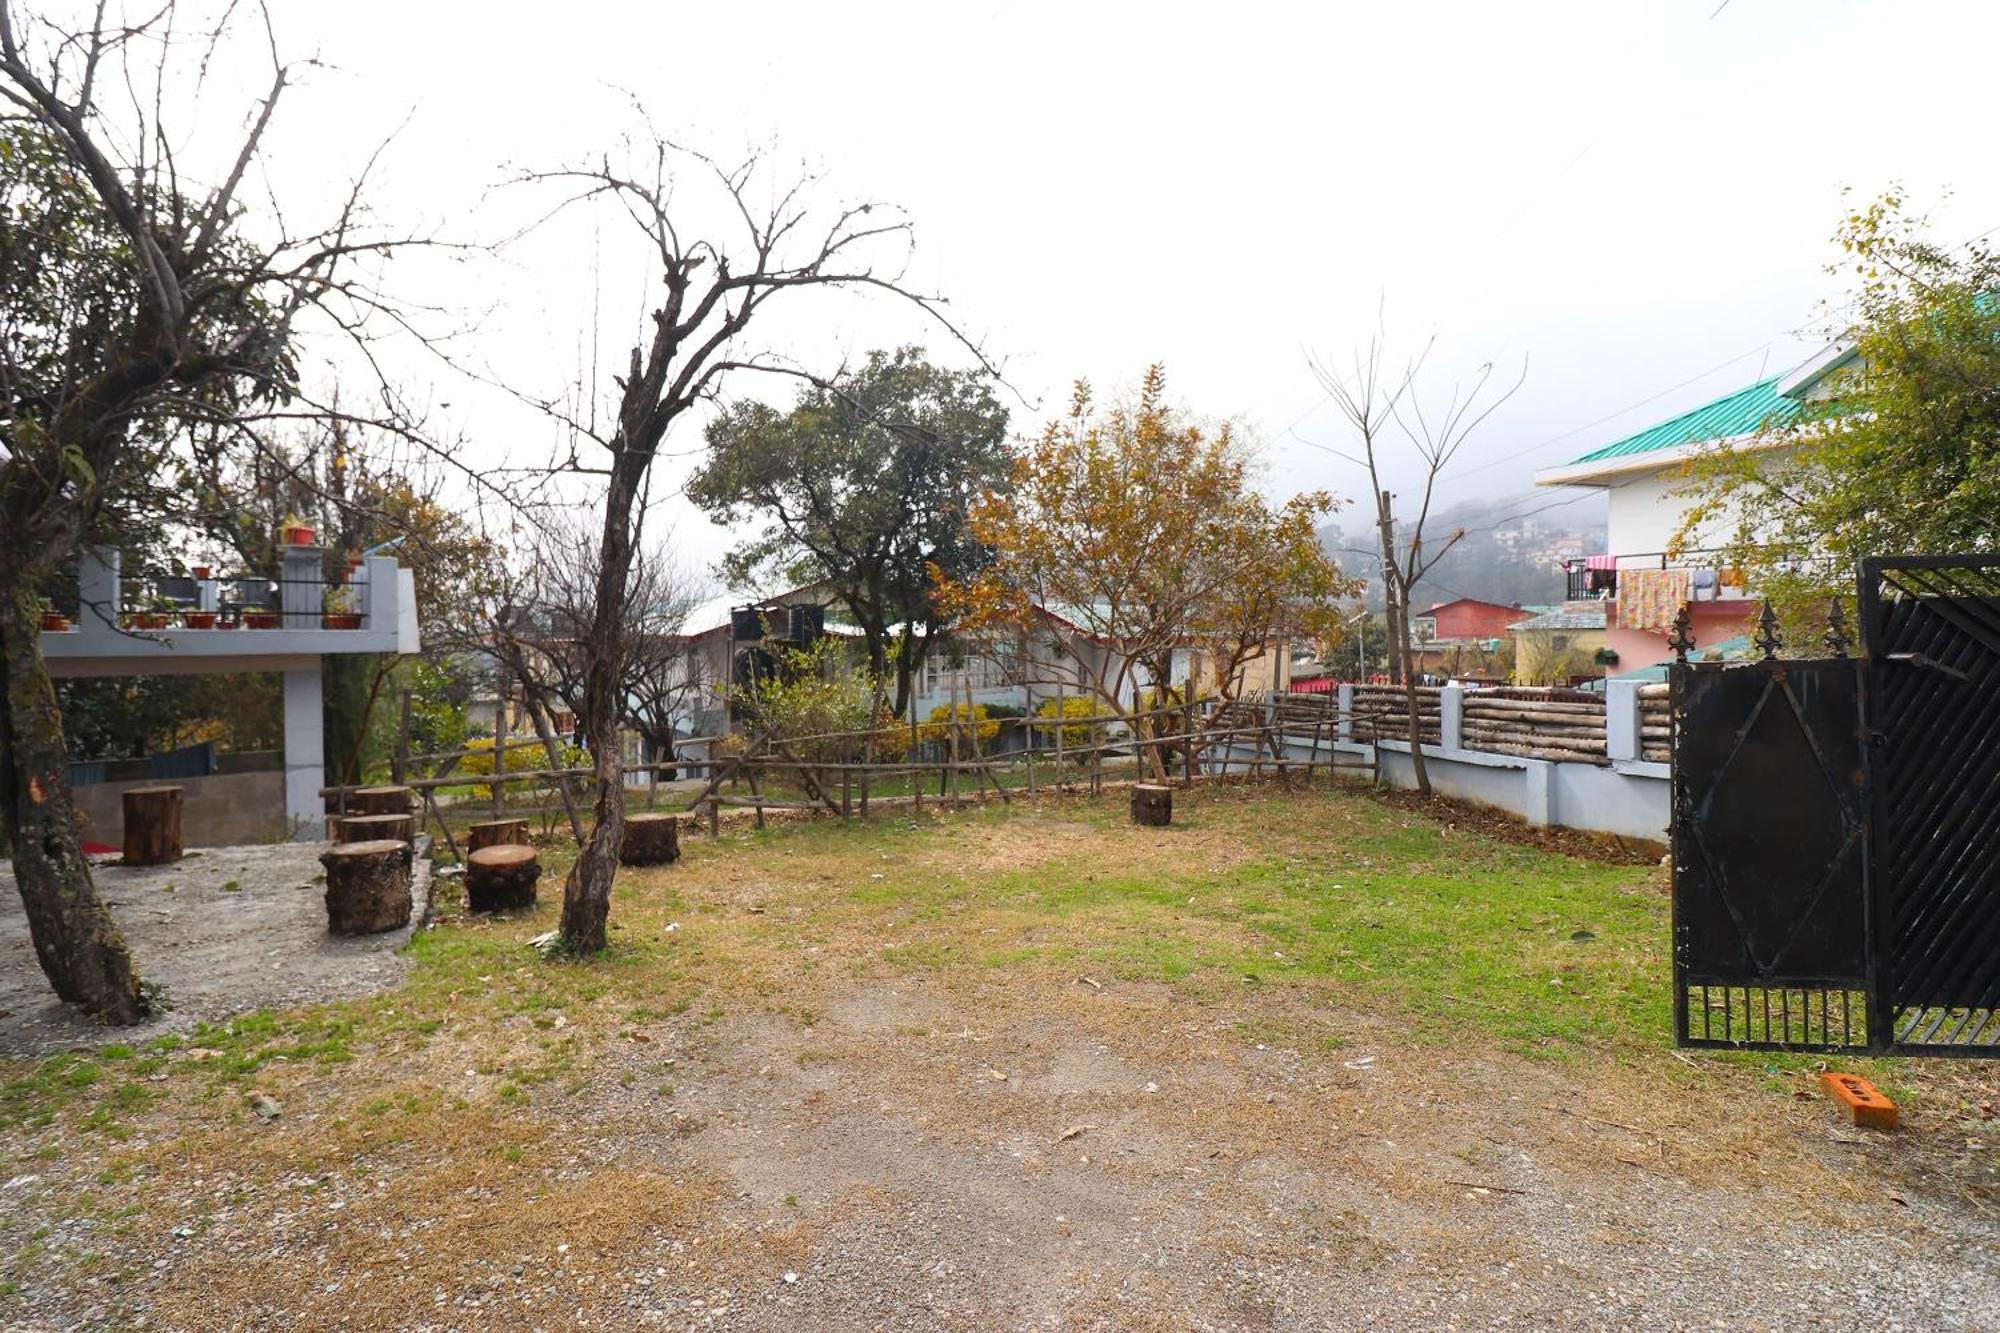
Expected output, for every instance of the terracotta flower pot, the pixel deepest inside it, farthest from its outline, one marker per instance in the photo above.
(198, 619)
(297, 534)
(341, 620)
(55, 621)
(260, 620)
(147, 620)
(201, 571)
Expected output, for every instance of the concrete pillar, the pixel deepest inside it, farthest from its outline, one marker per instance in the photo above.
(1451, 716)
(97, 591)
(1621, 719)
(1344, 707)
(1538, 792)
(305, 754)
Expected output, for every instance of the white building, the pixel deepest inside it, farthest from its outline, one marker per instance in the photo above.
(288, 633)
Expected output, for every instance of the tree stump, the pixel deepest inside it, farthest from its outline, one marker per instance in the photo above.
(497, 833)
(1152, 804)
(367, 886)
(373, 828)
(650, 840)
(379, 801)
(500, 878)
(152, 826)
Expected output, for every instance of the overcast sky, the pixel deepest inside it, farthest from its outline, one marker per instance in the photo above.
(1634, 197)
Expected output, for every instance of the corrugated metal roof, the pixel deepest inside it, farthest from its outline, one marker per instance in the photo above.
(1562, 620)
(1740, 413)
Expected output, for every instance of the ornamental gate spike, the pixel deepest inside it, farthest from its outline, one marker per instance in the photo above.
(1838, 640)
(1682, 639)
(1767, 632)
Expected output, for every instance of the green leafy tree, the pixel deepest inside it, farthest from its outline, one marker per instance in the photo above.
(1901, 451)
(133, 316)
(864, 487)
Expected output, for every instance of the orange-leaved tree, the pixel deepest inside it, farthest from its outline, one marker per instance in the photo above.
(1133, 551)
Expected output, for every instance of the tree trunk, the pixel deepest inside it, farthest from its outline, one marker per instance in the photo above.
(587, 890)
(76, 941)
(538, 714)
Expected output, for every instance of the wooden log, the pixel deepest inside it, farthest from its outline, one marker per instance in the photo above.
(152, 826)
(374, 828)
(497, 833)
(650, 840)
(501, 878)
(1152, 804)
(380, 801)
(367, 887)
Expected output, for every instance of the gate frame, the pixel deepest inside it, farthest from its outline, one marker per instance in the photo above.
(1877, 902)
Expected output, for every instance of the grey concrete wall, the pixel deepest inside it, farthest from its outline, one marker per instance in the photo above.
(1629, 799)
(222, 810)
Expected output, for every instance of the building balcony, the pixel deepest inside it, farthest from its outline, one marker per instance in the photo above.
(1595, 578)
(228, 621)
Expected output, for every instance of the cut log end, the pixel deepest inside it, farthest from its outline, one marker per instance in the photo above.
(380, 801)
(501, 878)
(367, 886)
(650, 840)
(1152, 804)
(152, 825)
(497, 833)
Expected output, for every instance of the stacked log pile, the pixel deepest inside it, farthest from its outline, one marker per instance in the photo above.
(1656, 724)
(1382, 712)
(1566, 725)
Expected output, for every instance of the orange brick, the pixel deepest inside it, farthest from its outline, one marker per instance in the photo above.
(1863, 1100)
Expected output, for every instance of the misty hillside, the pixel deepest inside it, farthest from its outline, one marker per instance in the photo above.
(1511, 551)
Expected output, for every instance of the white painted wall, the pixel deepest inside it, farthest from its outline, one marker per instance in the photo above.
(1646, 510)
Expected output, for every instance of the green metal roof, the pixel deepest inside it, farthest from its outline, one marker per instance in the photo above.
(1740, 413)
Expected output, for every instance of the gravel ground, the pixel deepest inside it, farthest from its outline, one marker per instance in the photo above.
(225, 930)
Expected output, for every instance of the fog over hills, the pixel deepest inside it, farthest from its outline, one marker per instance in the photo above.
(1511, 551)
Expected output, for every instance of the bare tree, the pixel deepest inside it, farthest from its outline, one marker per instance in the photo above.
(1374, 401)
(708, 290)
(140, 304)
(540, 625)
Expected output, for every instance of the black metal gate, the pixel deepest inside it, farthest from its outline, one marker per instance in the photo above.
(1836, 828)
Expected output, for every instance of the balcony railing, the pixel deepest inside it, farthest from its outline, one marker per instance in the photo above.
(298, 596)
(1587, 579)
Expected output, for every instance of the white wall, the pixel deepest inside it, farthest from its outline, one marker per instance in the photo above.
(1646, 510)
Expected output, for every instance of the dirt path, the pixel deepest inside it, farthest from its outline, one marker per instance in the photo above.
(812, 1139)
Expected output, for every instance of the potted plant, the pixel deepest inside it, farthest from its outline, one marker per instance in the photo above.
(202, 571)
(52, 619)
(154, 616)
(198, 619)
(296, 532)
(260, 619)
(339, 611)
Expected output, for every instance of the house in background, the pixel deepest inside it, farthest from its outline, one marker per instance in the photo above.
(1559, 647)
(1637, 586)
(1462, 638)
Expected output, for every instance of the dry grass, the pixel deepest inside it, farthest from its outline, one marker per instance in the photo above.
(806, 1040)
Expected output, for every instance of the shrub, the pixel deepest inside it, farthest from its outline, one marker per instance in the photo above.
(1079, 715)
(975, 725)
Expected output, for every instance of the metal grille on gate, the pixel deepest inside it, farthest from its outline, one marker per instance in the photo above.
(1836, 827)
